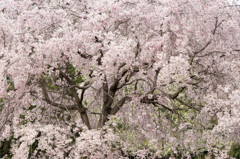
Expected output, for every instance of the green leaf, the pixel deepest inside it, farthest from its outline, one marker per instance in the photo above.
(22, 116)
(32, 107)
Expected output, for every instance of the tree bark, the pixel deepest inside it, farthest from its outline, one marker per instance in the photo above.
(78, 101)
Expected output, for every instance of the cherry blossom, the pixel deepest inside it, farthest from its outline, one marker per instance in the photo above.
(143, 78)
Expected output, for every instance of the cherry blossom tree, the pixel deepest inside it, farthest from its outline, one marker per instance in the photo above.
(166, 70)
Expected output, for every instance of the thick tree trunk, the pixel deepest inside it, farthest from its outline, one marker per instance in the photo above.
(85, 119)
(104, 117)
(108, 98)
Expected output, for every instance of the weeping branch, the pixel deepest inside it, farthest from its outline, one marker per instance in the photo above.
(49, 101)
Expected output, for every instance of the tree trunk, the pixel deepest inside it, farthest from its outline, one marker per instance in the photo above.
(104, 117)
(84, 118)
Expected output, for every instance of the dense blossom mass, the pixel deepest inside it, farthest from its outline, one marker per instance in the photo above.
(119, 78)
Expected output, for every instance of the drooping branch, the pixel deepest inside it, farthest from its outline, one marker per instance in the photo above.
(52, 103)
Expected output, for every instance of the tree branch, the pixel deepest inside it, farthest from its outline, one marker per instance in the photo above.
(119, 104)
(81, 108)
(49, 101)
(173, 96)
(208, 43)
(187, 104)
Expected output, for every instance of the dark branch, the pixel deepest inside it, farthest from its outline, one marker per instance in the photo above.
(49, 101)
(119, 104)
(187, 104)
(84, 55)
(173, 96)
(208, 43)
